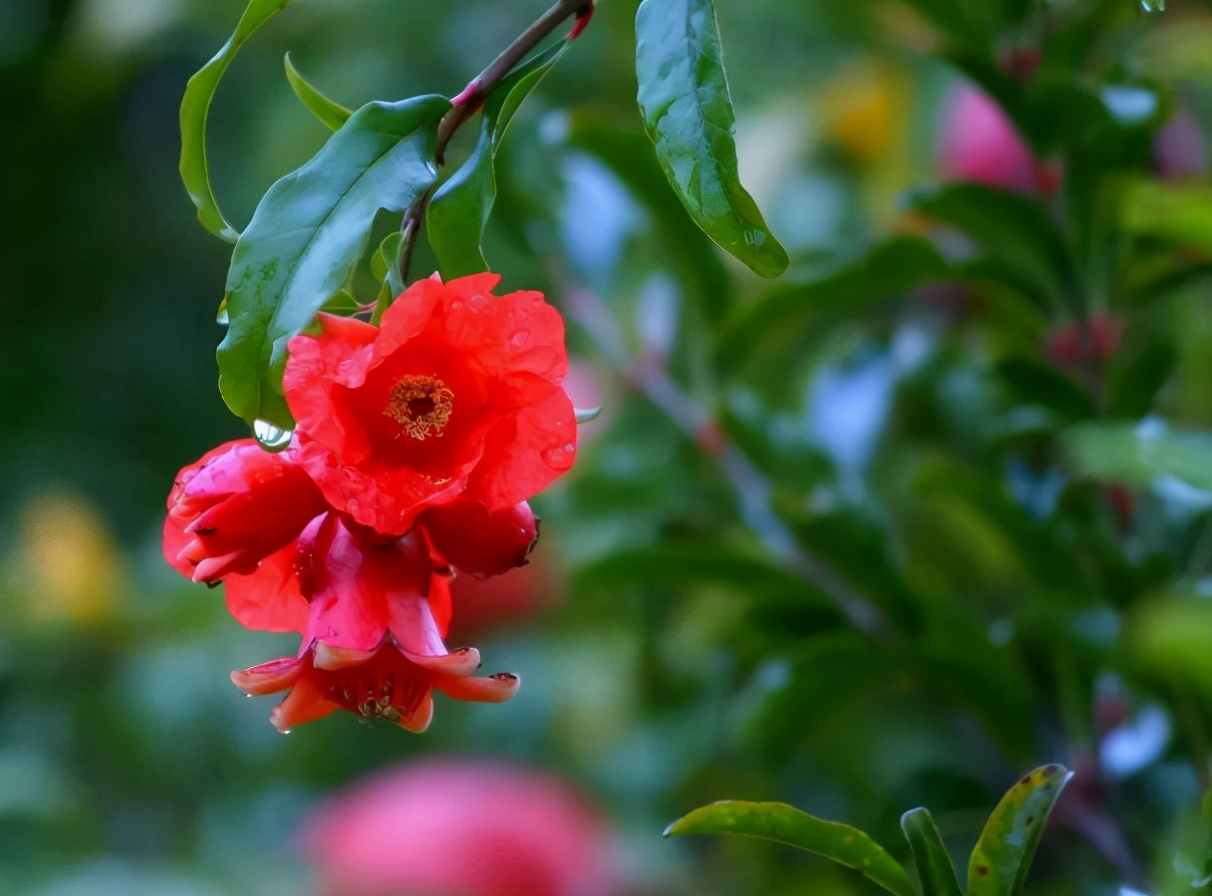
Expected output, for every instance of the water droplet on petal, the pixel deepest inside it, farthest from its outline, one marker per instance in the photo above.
(520, 338)
(272, 437)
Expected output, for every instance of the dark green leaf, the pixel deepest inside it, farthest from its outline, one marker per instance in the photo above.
(934, 866)
(331, 113)
(343, 303)
(195, 106)
(951, 19)
(1003, 853)
(459, 210)
(307, 236)
(1033, 382)
(1127, 453)
(1135, 385)
(890, 269)
(687, 111)
(1015, 228)
(785, 824)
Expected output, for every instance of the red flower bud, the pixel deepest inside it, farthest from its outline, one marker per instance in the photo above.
(235, 506)
(475, 540)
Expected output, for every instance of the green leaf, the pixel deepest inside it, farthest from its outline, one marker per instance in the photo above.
(1003, 853)
(459, 210)
(890, 269)
(934, 866)
(1181, 213)
(385, 264)
(307, 236)
(1012, 227)
(785, 824)
(683, 97)
(331, 113)
(1033, 382)
(1131, 454)
(195, 107)
(1134, 386)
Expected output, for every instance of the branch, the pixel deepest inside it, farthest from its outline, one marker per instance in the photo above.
(471, 98)
(649, 377)
(467, 103)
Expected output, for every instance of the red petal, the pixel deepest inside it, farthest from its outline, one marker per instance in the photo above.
(494, 689)
(268, 599)
(475, 540)
(303, 704)
(418, 721)
(269, 678)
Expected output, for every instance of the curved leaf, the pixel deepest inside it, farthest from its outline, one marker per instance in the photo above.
(459, 210)
(331, 113)
(195, 107)
(683, 97)
(934, 866)
(307, 236)
(893, 267)
(785, 824)
(1003, 854)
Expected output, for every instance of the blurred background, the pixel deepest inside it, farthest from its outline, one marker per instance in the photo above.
(856, 541)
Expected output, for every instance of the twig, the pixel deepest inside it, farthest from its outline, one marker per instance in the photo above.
(471, 98)
(650, 378)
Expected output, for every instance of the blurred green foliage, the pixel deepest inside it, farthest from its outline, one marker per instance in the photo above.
(930, 510)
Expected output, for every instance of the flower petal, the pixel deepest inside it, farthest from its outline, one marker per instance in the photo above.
(269, 678)
(493, 689)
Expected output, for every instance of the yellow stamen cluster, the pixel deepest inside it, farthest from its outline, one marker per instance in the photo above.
(422, 405)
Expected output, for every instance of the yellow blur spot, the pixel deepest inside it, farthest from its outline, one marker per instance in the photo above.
(69, 563)
(863, 109)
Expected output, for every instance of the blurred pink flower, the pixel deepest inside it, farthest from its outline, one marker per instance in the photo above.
(456, 827)
(979, 143)
(1180, 148)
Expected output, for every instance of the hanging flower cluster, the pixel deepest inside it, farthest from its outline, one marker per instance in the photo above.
(417, 445)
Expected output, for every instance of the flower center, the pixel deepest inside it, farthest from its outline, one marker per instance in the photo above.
(421, 405)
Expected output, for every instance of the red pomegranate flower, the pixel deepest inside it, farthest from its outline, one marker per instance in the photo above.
(233, 507)
(386, 683)
(372, 611)
(473, 828)
(456, 395)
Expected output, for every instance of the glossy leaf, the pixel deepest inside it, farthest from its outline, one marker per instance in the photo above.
(195, 107)
(459, 210)
(785, 824)
(307, 236)
(934, 866)
(1006, 847)
(331, 113)
(1181, 213)
(1136, 454)
(687, 111)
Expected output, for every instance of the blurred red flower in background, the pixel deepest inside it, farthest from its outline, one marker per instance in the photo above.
(980, 143)
(456, 395)
(458, 828)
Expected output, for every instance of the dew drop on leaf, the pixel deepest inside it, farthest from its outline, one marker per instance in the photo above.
(272, 437)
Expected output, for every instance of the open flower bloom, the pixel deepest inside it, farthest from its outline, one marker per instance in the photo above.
(456, 395)
(372, 611)
(471, 828)
(387, 683)
(235, 506)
